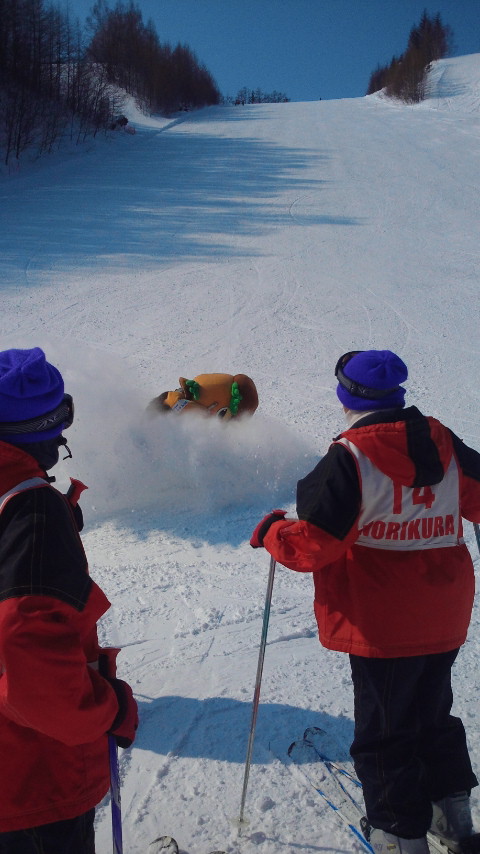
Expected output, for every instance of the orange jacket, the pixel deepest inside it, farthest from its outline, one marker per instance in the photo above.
(380, 528)
(55, 708)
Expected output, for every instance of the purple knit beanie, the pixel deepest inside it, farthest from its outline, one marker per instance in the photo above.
(375, 372)
(29, 387)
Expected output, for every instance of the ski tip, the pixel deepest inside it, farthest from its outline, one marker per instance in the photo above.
(302, 750)
(300, 745)
(312, 731)
(169, 845)
(164, 845)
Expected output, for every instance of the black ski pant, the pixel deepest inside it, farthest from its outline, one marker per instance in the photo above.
(72, 836)
(408, 750)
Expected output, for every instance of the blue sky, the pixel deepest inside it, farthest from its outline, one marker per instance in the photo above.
(308, 49)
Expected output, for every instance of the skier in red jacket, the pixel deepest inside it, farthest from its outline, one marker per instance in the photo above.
(55, 708)
(380, 527)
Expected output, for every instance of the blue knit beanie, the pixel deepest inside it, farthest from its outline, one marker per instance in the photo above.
(374, 370)
(29, 387)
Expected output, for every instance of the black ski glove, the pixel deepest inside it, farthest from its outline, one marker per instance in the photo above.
(256, 540)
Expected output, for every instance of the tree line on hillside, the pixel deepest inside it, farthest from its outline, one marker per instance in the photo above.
(256, 96)
(45, 84)
(57, 82)
(405, 76)
(163, 78)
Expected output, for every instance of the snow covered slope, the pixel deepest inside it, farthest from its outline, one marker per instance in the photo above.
(265, 239)
(455, 85)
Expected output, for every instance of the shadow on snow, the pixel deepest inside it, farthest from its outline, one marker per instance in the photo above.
(218, 728)
(180, 196)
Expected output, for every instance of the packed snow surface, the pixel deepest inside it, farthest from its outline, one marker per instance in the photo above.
(267, 240)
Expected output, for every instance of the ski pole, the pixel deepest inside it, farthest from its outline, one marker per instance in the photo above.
(115, 796)
(256, 694)
(476, 528)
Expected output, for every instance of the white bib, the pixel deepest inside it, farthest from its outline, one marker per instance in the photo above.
(400, 517)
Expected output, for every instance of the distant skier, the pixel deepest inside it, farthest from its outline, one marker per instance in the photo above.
(223, 395)
(55, 707)
(380, 526)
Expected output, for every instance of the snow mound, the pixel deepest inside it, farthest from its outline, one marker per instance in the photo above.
(138, 118)
(454, 84)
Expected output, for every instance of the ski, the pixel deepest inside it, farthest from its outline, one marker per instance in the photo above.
(342, 771)
(169, 845)
(327, 781)
(323, 744)
(164, 845)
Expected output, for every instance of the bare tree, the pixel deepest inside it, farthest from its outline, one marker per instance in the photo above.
(49, 80)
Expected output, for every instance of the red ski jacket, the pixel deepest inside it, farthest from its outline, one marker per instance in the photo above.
(380, 527)
(55, 708)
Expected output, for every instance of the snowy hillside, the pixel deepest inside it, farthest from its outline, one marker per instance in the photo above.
(455, 85)
(265, 239)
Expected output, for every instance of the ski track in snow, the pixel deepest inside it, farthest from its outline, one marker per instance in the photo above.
(265, 239)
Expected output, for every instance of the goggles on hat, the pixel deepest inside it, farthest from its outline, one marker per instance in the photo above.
(63, 414)
(355, 388)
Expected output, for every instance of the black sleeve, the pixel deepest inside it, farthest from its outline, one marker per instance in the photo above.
(468, 459)
(40, 550)
(330, 497)
(77, 515)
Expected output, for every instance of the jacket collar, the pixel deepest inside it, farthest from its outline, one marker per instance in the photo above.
(387, 416)
(16, 466)
(407, 446)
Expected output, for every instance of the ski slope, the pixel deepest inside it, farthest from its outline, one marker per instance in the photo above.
(268, 240)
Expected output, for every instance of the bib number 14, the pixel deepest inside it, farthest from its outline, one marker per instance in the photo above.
(419, 494)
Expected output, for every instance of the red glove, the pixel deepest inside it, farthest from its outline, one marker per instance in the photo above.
(125, 724)
(74, 492)
(256, 541)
